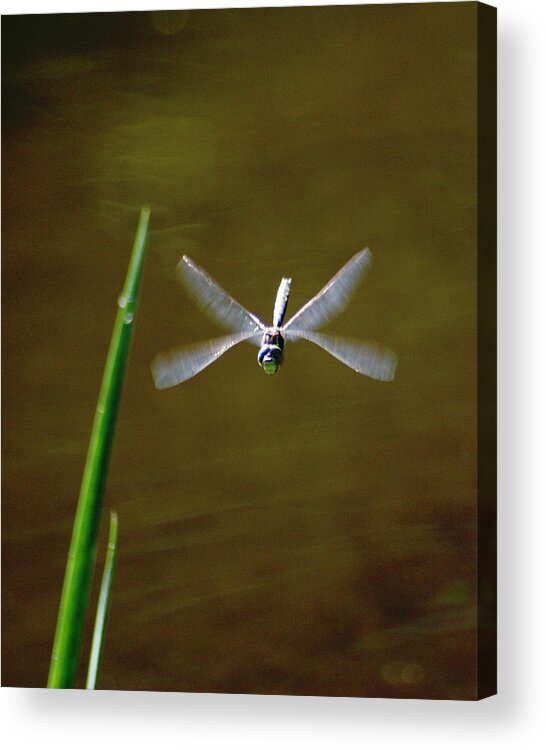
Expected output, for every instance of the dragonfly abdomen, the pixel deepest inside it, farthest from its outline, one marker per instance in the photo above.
(281, 301)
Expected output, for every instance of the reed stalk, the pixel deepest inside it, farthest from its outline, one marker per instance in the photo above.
(82, 552)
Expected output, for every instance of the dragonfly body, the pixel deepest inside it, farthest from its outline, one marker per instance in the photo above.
(181, 364)
(271, 354)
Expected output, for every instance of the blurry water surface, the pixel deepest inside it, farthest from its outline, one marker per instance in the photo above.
(311, 533)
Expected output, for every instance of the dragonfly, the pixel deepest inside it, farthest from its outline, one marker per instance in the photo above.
(181, 364)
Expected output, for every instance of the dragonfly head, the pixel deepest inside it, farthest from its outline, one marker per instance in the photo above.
(271, 354)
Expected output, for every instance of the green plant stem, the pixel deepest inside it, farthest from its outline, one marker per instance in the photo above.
(102, 606)
(81, 555)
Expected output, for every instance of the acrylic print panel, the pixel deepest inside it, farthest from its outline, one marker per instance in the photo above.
(319, 532)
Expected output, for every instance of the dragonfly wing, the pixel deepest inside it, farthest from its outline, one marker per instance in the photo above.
(333, 298)
(178, 365)
(366, 358)
(214, 300)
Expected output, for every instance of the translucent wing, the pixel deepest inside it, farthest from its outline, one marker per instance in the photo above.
(333, 298)
(210, 296)
(365, 358)
(178, 365)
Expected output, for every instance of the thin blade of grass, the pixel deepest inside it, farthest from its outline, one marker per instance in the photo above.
(102, 606)
(81, 555)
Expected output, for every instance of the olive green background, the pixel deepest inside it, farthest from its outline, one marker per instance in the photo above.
(311, 533)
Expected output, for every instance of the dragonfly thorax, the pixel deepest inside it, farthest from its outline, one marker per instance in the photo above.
(271, 354)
